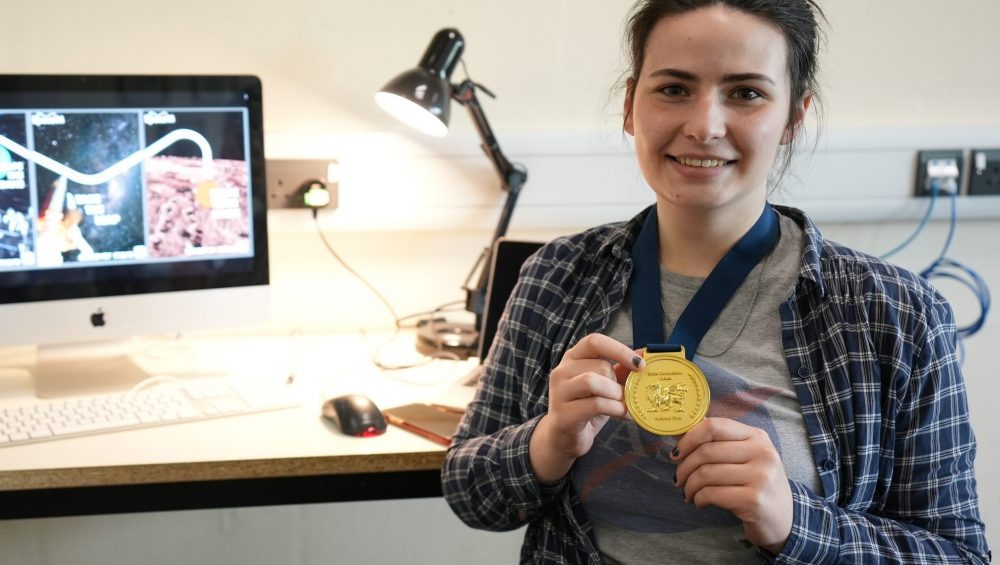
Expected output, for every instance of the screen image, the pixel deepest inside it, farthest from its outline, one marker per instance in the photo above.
(15, 199)
(212, 218)
(122, 185)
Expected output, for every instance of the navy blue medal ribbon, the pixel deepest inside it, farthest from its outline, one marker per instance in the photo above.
(715, 292)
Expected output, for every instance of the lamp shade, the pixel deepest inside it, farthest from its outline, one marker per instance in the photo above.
(421, 97)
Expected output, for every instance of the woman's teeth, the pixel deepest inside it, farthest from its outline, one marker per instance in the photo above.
(707, 163)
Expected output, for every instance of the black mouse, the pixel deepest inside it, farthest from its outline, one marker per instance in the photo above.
(355, 415)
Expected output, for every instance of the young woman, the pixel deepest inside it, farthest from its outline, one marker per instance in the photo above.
(838, 429)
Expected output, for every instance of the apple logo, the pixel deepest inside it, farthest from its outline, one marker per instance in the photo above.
(97, 318)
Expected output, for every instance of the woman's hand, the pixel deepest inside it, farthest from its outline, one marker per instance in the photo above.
(584, 391)
(724, 463)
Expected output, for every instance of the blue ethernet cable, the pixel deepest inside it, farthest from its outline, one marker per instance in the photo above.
(923, 223)
(947, 268)
(944, 267)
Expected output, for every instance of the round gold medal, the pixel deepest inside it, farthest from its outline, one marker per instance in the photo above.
(669, 396)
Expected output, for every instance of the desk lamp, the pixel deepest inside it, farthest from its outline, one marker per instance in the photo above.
(421, 98)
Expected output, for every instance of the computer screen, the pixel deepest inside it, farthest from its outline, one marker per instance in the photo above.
(129, 205)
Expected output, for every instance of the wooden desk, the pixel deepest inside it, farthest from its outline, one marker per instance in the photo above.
(288, 456)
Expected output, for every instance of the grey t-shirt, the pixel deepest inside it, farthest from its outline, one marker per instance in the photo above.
(626, 480)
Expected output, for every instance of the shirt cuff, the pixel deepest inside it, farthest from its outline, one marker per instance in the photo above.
(814, 537)
(519, 478)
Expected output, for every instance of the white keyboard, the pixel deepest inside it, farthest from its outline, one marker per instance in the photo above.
(163, 403)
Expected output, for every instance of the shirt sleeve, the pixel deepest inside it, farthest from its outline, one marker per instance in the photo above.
(489, 483)
(931, 511)
(487, 477)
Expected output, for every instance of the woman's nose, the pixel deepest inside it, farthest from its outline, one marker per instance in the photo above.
(707, 120)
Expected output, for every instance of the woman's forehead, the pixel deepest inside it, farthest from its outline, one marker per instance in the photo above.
(716, 40)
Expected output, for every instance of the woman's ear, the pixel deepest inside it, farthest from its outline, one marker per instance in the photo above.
(629, 96)
(796, 123)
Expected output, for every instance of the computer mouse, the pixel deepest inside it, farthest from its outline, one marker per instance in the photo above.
(355, 415)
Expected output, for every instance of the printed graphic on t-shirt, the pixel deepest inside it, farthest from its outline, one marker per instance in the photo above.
(626, 480)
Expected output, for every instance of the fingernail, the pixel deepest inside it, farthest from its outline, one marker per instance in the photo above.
(637, 361)
(675, 452)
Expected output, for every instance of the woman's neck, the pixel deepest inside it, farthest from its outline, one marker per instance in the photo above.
(693, 241)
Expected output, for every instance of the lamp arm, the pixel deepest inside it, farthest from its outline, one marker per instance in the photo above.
(465, 94)
(512, 178)
(475, 298)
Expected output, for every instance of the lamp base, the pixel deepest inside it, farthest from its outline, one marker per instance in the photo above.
(435, 335)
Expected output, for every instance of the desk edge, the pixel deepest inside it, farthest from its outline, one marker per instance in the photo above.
(219, 470)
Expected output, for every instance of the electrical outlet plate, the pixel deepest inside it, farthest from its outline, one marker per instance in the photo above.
(286, 176)
(920, 187)
(984, 172)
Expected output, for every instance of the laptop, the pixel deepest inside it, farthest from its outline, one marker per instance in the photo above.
(506, 260)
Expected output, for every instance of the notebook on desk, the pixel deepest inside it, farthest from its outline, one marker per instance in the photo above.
(435, 422)
(505, 265)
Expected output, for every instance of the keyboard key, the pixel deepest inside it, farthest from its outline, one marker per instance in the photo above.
(38, 433)
(94, 426)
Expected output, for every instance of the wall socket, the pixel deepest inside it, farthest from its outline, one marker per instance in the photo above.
(984, 172)
(285, 178)
(920, 187)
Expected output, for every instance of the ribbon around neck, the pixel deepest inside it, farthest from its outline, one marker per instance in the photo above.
(710, 299)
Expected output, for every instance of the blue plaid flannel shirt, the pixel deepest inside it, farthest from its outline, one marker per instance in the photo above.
(871, 352)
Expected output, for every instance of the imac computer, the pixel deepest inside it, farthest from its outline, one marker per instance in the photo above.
(129, 206)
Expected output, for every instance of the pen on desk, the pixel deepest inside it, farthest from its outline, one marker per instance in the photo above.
(449, 409)
(436, 438)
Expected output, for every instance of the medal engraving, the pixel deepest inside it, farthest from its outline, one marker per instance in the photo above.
(669, 396)
(663, 397)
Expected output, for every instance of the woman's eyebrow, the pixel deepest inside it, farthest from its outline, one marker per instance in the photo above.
(675, 73)
(744, 77)
(735, 77)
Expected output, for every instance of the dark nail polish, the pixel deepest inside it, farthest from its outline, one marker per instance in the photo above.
(675, 452)
(675, 479)
(636, 361)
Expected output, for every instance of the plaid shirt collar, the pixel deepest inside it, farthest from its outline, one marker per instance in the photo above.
(619, 244)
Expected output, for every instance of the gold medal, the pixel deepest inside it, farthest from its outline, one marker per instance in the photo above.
(669, 396)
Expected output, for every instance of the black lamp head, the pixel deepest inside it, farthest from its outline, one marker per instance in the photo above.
(421, 97)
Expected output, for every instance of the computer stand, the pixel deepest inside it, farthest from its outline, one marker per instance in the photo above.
(85, 368)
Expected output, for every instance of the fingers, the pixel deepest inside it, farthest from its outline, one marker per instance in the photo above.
(719, 441)
(586, 385)
(587, 408)
(600, 346)
(720, 496)
(712, 430)
(720, 452)
(600, 354)
(623, 371)
(712, 475)
(619, 360)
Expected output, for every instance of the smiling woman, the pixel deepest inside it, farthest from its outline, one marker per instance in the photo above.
(713, 88)
(837, 426)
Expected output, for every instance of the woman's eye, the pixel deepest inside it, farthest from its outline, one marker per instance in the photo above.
(747, 94)
(674, 90)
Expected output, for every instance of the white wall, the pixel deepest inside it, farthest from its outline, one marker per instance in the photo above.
(898, 75)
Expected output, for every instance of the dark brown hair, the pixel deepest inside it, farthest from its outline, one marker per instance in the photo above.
(797, 20)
